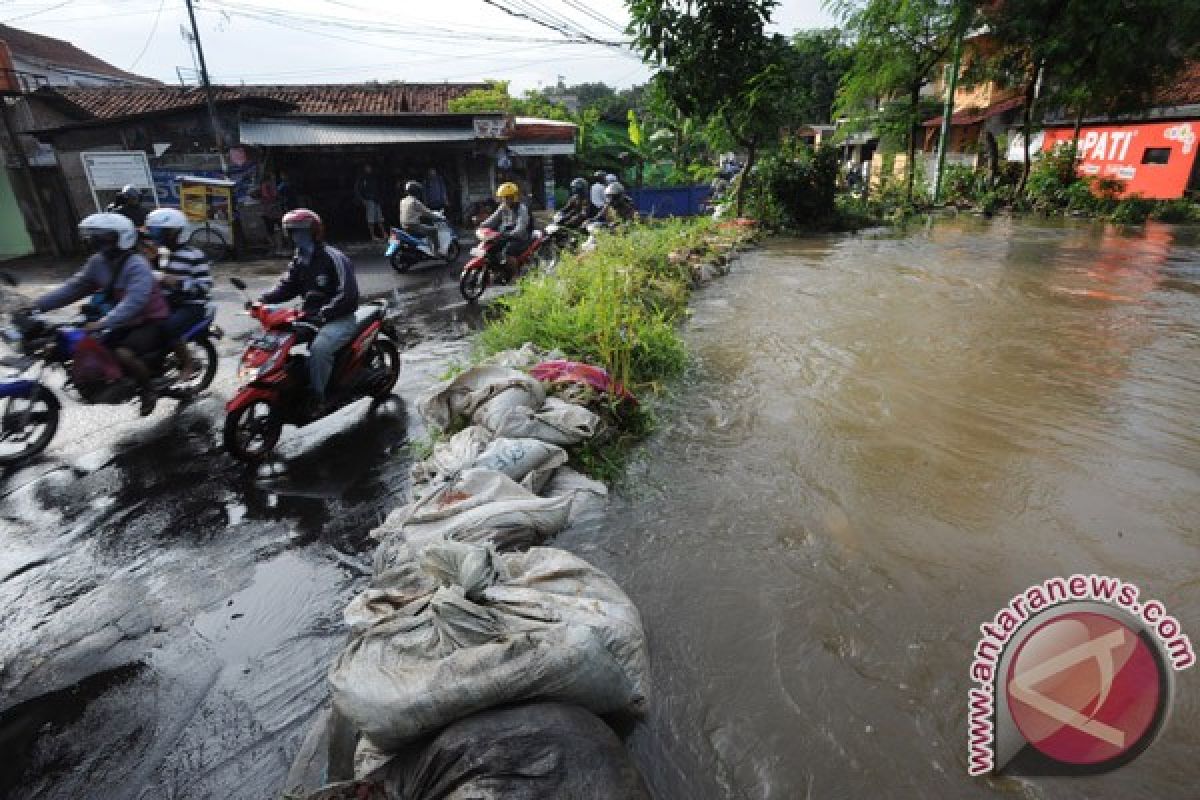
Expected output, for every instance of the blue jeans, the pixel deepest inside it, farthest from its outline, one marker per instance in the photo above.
(333, 336)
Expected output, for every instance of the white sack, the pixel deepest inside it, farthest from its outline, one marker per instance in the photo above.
(499, 629)
(462, 395)
(557, 423)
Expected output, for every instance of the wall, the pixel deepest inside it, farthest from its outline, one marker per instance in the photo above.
(14, 239)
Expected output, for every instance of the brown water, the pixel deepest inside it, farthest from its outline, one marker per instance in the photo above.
(883, 439)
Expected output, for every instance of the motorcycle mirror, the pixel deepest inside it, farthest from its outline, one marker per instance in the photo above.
(238, 283)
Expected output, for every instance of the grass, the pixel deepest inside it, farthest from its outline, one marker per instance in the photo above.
(618, 307)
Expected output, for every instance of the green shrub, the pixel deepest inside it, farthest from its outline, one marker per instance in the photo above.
(1132, 210)
(1177, 211)
(795, 188)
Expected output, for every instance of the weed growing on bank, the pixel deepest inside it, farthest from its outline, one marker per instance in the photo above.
(618, 307)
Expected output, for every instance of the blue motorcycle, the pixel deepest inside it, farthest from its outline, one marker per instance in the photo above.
(405, 250)
(29, 410)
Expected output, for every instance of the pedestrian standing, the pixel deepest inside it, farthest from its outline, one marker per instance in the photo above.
(367, 192)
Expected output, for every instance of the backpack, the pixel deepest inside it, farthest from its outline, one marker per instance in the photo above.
(93, 364)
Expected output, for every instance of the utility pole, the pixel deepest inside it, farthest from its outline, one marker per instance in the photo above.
(947, 112)
(208, 94)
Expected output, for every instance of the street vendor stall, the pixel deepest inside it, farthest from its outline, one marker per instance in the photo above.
(210, 207)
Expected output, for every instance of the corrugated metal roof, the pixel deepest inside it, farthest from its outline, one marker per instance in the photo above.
(308, 133)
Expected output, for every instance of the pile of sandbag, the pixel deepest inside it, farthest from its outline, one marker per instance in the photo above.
(467, 614)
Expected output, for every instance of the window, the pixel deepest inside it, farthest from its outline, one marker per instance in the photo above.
(1156, 155)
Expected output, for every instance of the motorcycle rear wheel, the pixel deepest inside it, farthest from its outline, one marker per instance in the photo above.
(204, 368)
(400, 262)
(252, 432)
(547, 255)
(453, 252)
(37, 431)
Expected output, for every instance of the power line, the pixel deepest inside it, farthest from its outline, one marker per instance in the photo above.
(150, 38)
(602, 19)
(522, 13)
(35, 13)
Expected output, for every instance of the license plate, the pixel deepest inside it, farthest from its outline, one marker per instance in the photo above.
(478, 252)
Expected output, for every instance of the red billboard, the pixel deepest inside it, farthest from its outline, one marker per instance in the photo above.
(1153, 159)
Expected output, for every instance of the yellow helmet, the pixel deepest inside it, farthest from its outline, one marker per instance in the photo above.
(508, 191)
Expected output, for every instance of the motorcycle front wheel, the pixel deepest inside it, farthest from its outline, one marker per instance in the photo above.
(473, 284)
(252, 432)
(28, 425)
(384, 356)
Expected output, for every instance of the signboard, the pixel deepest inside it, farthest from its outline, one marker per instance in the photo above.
(1154, 160)
(110, 171)
(552, 149)
(490, 128)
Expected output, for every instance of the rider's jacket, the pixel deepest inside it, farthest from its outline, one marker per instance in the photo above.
(326, 282)
(127, 279)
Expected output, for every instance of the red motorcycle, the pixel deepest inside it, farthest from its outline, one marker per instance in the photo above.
(487, 266)
(274, 379)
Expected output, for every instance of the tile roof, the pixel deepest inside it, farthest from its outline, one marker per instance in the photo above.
(56, 52)
(1184, 90)
(382, 99)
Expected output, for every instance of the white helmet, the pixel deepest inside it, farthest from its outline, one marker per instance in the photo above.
(614, 189)
(108, 230)
(164, 225)
(610, 178)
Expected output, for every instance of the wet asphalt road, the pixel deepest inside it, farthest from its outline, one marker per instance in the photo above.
(166, 615)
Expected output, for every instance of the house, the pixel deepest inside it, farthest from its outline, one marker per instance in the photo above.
(31, 211)
(321, 137)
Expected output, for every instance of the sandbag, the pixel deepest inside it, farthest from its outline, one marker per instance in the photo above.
(524, 358)
(498, 629)
(452, 456)
(535, 751)
(557, 422)
(462, 395)
(480, 505)
(589, 498)
(529, 462)
(490, 413)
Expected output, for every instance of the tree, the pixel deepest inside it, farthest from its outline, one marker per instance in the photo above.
(494, 98)
(818, 62)
(715, 59)
(897, 46)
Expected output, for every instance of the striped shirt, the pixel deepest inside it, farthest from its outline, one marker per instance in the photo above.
(193, 267)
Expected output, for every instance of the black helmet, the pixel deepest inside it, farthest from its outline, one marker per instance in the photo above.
(414, 189)
(130, 194)
(598, 176)
(579, 186)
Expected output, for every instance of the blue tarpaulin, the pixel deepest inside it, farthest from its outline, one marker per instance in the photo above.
(676, 201)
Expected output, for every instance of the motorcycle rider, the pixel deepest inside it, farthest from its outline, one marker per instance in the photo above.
(186, 278)
(597, 192)
(324, 276)
(133, 306)
(129, 203)
(618, 207)
(578, 206)
(416, 218)
(513, 220)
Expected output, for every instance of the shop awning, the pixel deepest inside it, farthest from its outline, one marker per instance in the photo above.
(312, 133)
(971, 116)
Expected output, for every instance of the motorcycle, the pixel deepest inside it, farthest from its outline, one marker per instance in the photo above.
(486, 266)
(31, 410)
(405, 250)
(565, 237)
(274, 378)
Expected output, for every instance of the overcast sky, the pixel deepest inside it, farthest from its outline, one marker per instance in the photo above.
(326, 41)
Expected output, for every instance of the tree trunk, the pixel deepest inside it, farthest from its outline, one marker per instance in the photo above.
(914, 112)
(751, 154)
(1027, 124)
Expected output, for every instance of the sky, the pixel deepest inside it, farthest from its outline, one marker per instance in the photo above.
(345, 41)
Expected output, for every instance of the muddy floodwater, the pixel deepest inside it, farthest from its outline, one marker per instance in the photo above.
(883, 439)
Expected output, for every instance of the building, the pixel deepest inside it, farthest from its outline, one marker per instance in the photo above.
(320, 138)
(32, 215)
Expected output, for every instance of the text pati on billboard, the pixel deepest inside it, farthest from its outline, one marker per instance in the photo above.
(1154, 160)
